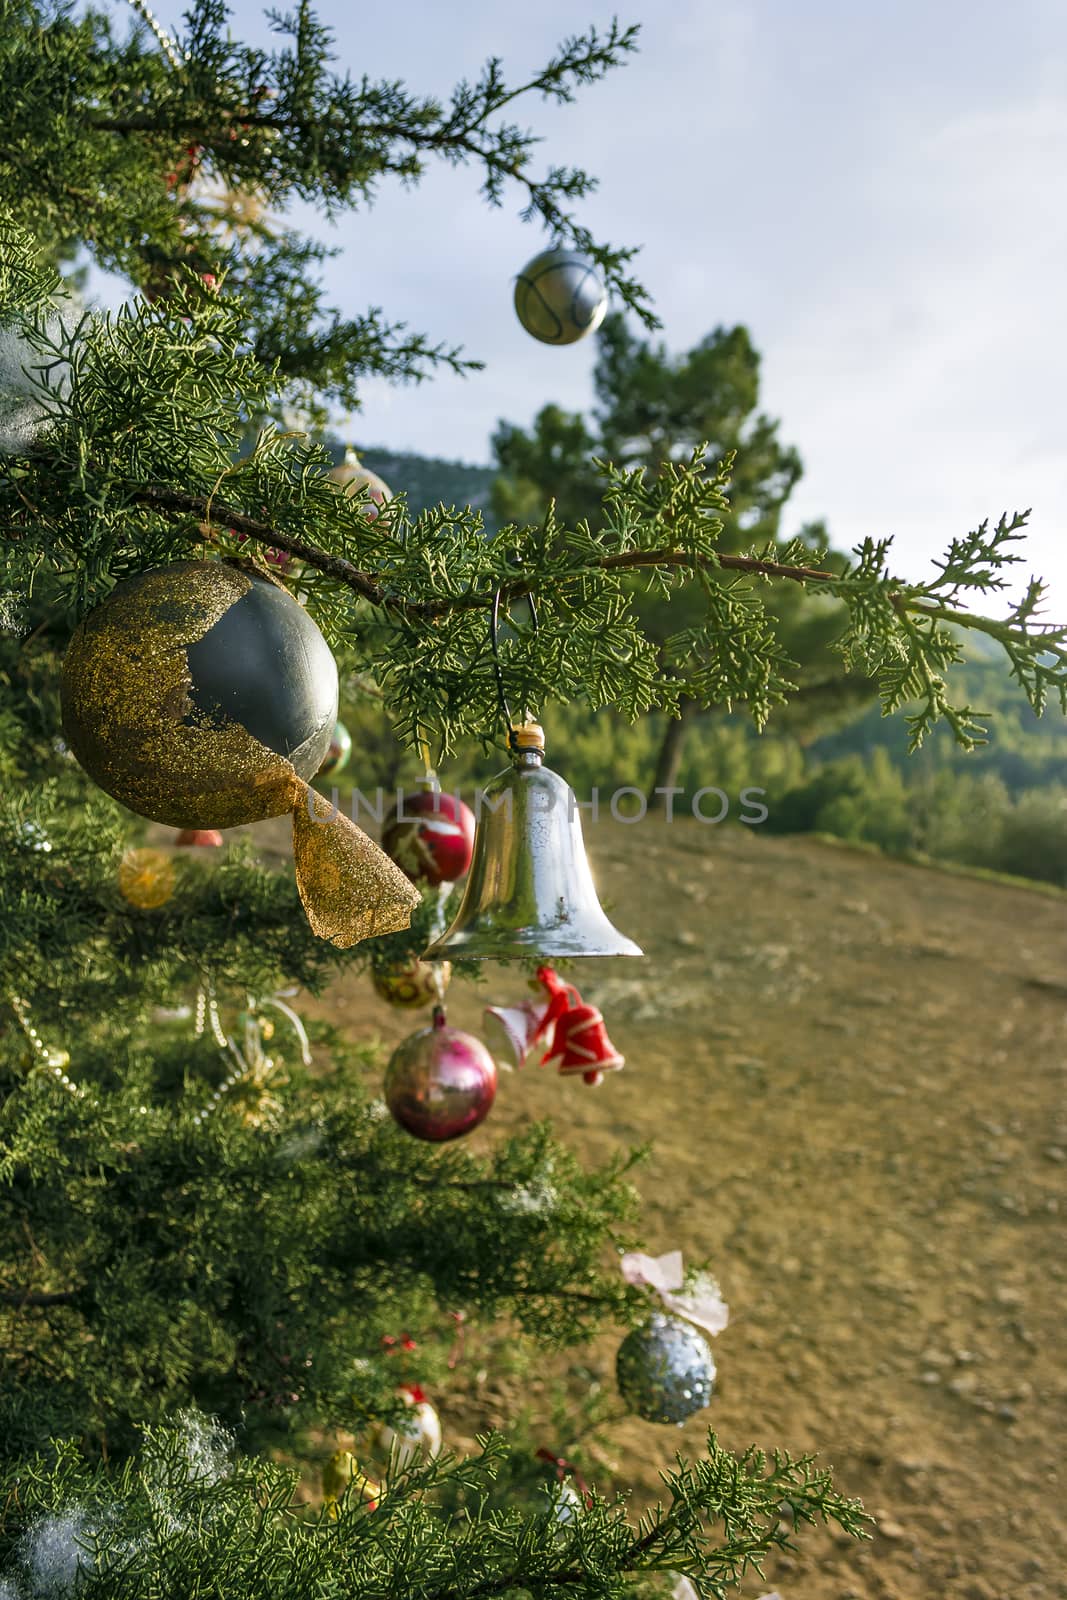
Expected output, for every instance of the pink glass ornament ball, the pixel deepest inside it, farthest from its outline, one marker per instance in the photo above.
(440, 1082)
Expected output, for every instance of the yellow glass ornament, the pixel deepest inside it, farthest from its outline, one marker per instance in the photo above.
(146, 878)
(341, 1473)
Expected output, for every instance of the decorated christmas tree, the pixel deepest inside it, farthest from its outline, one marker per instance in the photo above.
(215, 1230)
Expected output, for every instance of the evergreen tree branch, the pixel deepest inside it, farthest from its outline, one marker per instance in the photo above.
(368, 587)
(1017, 641)
(175, 1520)
(115, 148)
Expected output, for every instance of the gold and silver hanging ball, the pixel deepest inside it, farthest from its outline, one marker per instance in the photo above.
(560, 296)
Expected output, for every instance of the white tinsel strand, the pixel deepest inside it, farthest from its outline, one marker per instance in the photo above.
(206, 1446)
(23, 407)
(249, 1059)
(166, 43)
(531, 1199)
(297, 1025)
(54, 1552)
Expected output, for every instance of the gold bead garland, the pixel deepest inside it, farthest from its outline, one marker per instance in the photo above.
(252, 1065)
(53, 1060)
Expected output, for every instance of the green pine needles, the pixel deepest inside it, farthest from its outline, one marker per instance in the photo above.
(137, 424)
(249, 1251)
(187, 1518)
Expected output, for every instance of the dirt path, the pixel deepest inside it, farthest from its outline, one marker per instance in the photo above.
(852, 1073)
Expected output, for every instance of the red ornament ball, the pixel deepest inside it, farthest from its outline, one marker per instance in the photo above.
(440, 1083)
(430, 836)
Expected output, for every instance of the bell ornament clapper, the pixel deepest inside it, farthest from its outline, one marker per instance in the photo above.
(529, 892)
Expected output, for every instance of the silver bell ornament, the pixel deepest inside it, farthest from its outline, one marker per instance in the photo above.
(665, 1369)
(560, 296)
(529, 891)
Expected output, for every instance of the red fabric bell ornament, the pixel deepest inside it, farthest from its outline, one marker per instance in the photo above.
(560, 996)
(576, 1036)
(581, 1045)
(560, 1028)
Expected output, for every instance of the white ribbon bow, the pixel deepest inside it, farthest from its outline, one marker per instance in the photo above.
(702, 1303)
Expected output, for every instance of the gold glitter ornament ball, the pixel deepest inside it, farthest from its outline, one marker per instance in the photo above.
(414, 983)
(200, 694)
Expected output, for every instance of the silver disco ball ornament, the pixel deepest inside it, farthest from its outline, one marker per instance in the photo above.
(560, 296)
(665, 1369)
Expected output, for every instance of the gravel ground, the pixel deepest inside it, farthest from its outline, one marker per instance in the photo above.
(851, 1070)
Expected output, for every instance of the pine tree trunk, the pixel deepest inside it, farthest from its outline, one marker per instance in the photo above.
(669, 760)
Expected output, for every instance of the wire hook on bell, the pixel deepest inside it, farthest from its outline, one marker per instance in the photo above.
(494, 645)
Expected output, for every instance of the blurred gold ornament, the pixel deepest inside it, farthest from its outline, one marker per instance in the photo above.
(414, 983)
(342, 1473)
(253, 1098)
(146, 878)
(233, 213)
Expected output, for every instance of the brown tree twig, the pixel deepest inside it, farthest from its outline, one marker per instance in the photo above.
(369, 588)
(29, 1297)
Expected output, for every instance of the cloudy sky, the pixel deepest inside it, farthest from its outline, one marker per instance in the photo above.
(876, 190)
